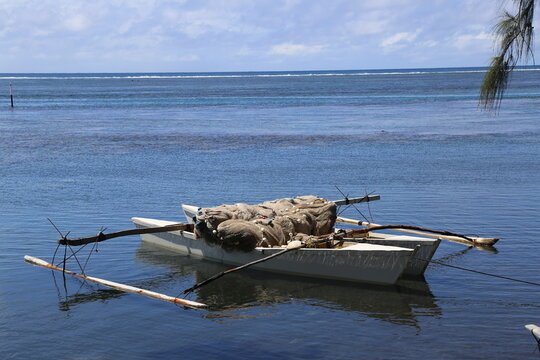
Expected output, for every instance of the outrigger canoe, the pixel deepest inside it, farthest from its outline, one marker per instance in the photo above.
(299, 239)
(359, 262)
(374, 258)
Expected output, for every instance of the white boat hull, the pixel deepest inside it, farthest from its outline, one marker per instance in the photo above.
(360, 262)
(425, 247)
(535, 331)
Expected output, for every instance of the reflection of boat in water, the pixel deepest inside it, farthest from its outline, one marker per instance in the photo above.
(398, 303)
(78, 298)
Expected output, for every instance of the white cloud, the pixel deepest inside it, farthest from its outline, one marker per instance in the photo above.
(429, 43)
(209, 20)
(76, 23)
(366, 27)
(245, 51)
(182, 58)
(473, 41)
(243, 34)
(399, 40)
(289, 4)
(292, 49)
(41, 33)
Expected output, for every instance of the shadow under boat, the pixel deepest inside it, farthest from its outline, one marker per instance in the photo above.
(401, 303)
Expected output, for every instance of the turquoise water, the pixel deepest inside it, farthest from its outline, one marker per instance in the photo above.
(93, 150)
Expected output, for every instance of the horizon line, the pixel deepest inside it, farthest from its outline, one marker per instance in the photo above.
(481, 68)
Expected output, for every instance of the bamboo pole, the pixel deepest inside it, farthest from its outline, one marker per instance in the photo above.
(115, 285)
(102, 237)
(291, 247)
(223, 273)
(462, 239)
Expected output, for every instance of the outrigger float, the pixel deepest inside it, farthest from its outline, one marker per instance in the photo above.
(294, 236)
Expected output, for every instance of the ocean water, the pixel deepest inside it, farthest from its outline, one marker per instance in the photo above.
(93, 150)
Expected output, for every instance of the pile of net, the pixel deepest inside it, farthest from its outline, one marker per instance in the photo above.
(274, 223)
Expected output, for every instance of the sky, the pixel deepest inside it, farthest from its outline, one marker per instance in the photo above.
(240, 35)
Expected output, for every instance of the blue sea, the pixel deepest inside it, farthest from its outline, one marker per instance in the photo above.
(90, 151)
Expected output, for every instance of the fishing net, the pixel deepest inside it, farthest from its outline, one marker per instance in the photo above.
(273, 223)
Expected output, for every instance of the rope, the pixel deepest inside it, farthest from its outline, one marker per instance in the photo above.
(535, 337)
(347, 203)
(70, 256)
(90, 254)
(480, 272)
(54, 255)
(76, 259)
(369, 208)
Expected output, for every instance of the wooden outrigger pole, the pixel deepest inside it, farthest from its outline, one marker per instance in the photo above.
(117, 286)
(462, 239)
(357, 200)
(102, 236)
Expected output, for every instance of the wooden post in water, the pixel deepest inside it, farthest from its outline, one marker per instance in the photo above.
(11, 94)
